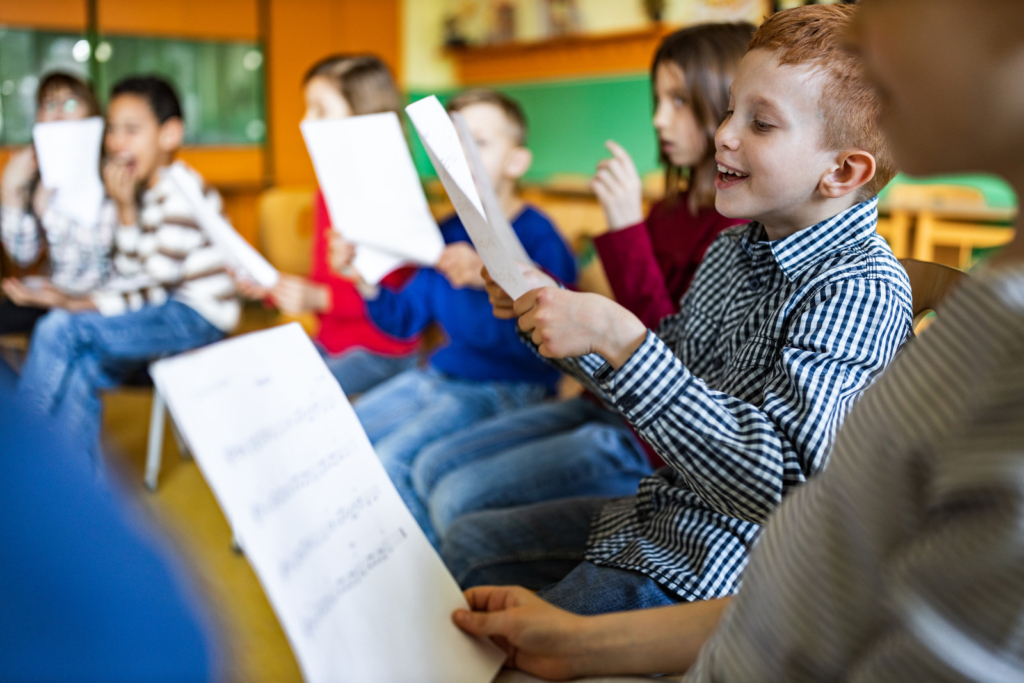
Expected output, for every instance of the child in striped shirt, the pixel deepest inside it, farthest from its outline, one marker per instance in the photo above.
(170, 291)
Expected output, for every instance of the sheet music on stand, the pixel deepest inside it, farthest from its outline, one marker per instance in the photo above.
(358, 589)
(444, 148)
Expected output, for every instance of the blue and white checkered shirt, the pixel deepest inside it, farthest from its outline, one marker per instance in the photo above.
(742, 392)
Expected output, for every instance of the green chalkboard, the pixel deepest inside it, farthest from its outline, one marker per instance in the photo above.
(570, 120)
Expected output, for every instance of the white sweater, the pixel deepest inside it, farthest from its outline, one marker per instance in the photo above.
(168, 256)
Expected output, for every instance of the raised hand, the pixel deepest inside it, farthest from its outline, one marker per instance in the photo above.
(461, 266)
(618, 188)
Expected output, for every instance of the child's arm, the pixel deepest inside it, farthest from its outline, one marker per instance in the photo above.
(19, 228)
(740, 458)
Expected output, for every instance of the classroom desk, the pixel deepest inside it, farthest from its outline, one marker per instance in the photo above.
(954, 212)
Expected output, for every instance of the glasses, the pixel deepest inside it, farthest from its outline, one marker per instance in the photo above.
(56, 105)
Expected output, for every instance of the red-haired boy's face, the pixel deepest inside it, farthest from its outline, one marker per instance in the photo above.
(951, 78)
(769, 147)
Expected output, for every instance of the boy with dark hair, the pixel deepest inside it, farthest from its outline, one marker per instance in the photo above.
(788, 320)
(170, 293)
(482, 369)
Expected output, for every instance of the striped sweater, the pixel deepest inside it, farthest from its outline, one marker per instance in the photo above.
(168, 256)
(904, 561)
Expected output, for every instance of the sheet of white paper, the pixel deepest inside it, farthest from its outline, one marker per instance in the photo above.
(240, 254)
(68, 153)
(374, 264)
(359, 591)
(435, 129)
(499, 261)
(492, 207)
(371, 187)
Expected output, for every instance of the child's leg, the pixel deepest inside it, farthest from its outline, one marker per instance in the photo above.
(73, 356)
(492, 436)
(591, 589)
(444, 406)
(598, 458)
(359, 370)
(384, 408)
(532, 546)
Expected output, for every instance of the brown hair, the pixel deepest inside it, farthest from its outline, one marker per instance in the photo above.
(363, 80)
(80, 89)
(849, 106)
(509, 107)
(708, 56)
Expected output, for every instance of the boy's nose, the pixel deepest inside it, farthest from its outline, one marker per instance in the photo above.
(724, 139)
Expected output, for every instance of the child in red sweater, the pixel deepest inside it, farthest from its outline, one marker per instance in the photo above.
(359, 354)
(578, 447)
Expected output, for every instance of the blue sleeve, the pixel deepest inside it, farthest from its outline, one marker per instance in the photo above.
(86, 594)
(547, 248)
(404, 313)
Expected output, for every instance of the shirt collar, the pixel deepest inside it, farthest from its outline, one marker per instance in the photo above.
(805, 248)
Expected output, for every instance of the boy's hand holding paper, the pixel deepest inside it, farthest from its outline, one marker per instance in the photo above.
(373, 193)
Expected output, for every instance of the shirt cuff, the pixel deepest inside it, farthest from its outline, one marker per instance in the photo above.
(109, 303)
(649, 381)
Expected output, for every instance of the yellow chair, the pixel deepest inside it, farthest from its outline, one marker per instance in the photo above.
(286, 236)
(896, 231)
(950, 216)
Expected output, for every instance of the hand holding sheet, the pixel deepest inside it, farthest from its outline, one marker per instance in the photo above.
(240, 254)
(359, 591)
(444, 148)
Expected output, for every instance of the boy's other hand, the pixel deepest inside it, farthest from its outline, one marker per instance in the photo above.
(461, 266)
(567, 324)
(536, 636)
(18, 174)
(297, 295)
(501, 303)
(342, 253)
(119, 180)
(619, 189)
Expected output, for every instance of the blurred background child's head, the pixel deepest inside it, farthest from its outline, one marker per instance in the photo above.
(690, 78)
(349, 85)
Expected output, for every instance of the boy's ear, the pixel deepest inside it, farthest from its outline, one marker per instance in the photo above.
(171, 135)
(518, 162)
(853, 169)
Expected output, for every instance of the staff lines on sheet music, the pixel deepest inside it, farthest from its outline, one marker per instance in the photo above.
(353, 577)
(341, 517)
(285, 492)
(266, 436)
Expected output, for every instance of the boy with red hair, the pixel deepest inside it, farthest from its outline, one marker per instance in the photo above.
(788, 320)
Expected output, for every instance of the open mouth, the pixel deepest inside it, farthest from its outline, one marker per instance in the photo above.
(728, 177)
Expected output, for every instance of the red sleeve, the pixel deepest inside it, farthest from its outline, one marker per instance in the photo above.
(346, 302)
(634, 274)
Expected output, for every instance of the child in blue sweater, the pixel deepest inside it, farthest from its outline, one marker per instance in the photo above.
(483, 368)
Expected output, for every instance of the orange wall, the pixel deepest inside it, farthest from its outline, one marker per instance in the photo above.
(302, 32)
(62, 15)
(202, 19)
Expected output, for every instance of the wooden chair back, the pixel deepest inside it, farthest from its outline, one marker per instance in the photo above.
(286, 227)
(930, 284)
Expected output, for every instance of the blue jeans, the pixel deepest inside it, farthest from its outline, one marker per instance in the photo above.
(75, 355)
(544, 452)
(359, 370)
(542, 547)
(419, 406)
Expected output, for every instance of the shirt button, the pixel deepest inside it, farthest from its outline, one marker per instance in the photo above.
(717, 364)
(754, 284)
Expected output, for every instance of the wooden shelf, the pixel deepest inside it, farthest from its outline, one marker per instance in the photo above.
(573, 56)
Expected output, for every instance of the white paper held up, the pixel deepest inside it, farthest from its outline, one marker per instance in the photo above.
(240, 254)
(492, 207)
(371, 188)
(68, 154)
(436, 129)
(359, 591)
